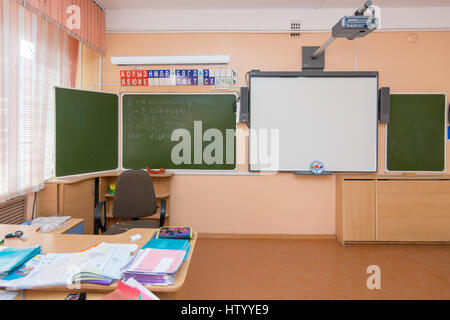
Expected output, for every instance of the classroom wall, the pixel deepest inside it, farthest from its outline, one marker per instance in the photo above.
(283, 203)
(89, 60)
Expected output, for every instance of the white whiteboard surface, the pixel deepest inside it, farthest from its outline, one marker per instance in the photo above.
(329, 119)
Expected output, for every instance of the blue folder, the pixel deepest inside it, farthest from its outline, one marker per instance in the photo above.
(11, 258)
(169, 244)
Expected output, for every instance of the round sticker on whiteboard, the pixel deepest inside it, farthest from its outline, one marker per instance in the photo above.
(317, 167)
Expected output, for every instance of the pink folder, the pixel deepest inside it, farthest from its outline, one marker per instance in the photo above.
(125, 292)
(158, 261)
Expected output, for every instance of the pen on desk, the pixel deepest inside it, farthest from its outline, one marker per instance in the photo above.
(91, 247)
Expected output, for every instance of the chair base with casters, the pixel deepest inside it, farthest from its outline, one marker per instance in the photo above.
(122, 227)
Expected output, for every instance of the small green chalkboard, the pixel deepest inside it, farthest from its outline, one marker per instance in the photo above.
(416, 133)
(150, 123)
(87, 133)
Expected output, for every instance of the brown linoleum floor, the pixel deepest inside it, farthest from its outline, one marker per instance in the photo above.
(225, 269)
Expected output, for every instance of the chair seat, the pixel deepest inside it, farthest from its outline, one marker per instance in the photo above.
(122, 227)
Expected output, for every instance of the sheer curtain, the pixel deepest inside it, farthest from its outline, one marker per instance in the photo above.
(83, 19)
(35, 56)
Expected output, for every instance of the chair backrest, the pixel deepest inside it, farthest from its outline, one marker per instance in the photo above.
(134, 196)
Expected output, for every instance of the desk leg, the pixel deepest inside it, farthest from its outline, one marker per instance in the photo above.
(97, 191)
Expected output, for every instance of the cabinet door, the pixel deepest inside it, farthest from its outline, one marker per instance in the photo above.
(359, 200)
(413, 210)
(78, 202)
(47, 201)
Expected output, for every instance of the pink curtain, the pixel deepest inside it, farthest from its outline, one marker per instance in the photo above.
(66, 13)
(35, 56)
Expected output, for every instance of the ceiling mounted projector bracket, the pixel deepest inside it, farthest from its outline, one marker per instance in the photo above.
(353, 27)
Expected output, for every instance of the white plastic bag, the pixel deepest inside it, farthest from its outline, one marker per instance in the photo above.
(48, 224)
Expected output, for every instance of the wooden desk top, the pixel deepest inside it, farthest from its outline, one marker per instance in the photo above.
(63, 243)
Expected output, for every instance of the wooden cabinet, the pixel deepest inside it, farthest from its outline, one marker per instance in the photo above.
(413, 211)
(393, 208)
(69, 199)
(356, 210)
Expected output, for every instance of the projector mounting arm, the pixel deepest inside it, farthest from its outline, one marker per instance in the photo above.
(356, 26)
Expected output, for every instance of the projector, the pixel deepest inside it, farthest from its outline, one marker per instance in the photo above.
(354, 27)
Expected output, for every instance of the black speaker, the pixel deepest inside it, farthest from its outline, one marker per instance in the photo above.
(244, 116)
(384, 105)
(448, 116)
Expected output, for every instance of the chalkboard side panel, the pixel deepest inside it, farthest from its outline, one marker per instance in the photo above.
(86, 132)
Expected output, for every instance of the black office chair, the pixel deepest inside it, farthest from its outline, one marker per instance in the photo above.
(134, 198)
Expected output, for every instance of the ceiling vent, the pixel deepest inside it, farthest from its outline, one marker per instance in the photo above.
(295, 28)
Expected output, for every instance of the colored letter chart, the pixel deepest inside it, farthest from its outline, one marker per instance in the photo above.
(188, 77)
(133, 78)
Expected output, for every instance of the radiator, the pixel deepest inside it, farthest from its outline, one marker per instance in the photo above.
(13, 211)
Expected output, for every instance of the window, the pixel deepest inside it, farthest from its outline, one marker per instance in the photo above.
(35, 56)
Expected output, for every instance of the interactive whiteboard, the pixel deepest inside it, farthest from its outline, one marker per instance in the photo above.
(297, 118)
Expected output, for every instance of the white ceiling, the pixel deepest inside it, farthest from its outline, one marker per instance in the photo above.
(263, 4)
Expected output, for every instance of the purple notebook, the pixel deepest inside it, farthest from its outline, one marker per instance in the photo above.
(101, 282)
(174, 233)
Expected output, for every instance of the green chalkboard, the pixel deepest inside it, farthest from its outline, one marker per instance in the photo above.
(416, 133)
(179, 131)
(86, 131)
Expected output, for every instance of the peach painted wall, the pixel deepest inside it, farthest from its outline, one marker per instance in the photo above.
(284, 203)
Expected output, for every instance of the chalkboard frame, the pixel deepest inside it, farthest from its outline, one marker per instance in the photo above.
(187, 171)
(118, 135)
(444, 135)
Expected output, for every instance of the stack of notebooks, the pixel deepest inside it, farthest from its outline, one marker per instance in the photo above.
(159, 260)
(169, 244)
(11, 259)
(156, 267)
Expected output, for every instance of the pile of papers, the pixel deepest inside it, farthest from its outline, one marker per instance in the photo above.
(156, 267)
(155, 264)
(102, 264)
